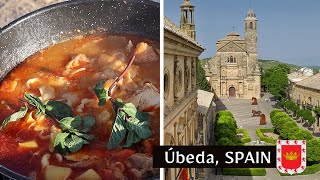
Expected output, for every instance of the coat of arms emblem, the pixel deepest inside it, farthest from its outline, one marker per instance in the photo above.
(291, 156)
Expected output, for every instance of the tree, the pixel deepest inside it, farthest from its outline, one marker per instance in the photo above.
(202, 82)
(276, 80)
(307, 115)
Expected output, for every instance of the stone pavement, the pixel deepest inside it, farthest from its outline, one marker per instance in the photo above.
(241, 109)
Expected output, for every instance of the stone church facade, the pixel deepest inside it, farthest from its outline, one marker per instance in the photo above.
(234, 71)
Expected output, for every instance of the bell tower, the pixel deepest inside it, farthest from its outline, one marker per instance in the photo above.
(251, 34)
(187, 19)
(251, 40)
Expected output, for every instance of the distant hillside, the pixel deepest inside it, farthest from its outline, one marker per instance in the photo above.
(267, 64)
(205, 60)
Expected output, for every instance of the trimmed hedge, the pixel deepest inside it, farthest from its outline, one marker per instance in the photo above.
(309, 170)
(224, 113)
(244, 171)
(260, 132)
(225, 130)
(288, 130)
(246, 137)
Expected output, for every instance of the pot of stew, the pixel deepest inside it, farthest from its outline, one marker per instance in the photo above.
(79, 91)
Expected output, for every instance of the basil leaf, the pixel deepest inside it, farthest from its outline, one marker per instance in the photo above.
(132, 138)
(88, 137)
(141, 128)
(132, 111)
(58, 109)
(70, 123)
(88, 123)
(60, 143)
(101, 93)
(36, 102)
(118, 131)
(15, 116)
(75, 143)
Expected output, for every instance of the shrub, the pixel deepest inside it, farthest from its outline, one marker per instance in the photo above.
(224, 141)
(227, 120)
(244, 171)
(277, 117)
(285, 129)
(225, 129)
(274, 111)
(290, 133)
(283, 123)
(309, 170)
(224, 113)
(313, 150)
(246, 137)
(260, 132)
(302, 134)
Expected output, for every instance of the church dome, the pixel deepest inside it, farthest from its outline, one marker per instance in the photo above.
(233, 34)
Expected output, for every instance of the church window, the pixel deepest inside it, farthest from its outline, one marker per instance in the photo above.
(232, 59)
(251, 25)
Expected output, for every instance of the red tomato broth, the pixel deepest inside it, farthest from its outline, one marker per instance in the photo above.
(50, 63)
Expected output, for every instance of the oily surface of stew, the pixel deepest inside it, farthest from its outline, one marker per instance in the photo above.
(68, 73)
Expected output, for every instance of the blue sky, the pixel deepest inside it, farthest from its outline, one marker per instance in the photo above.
(288, 30)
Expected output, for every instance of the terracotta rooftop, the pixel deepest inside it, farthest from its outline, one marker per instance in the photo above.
(170, 26)
(312, 82)
(204, 101)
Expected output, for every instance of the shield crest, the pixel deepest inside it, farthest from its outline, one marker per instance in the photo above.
(291, 156)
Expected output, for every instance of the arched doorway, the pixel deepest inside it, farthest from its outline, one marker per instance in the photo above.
(232, 92)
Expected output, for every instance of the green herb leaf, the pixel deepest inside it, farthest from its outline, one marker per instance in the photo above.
(132, 138)
(60, 143)
(88, 123)
(88, 137)
(101, 93)
(70, 123)
(36, 102)
(58, 109)
(75, 143)
(15, 116)
(141, 128)
(132, 111)
(118, 130)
